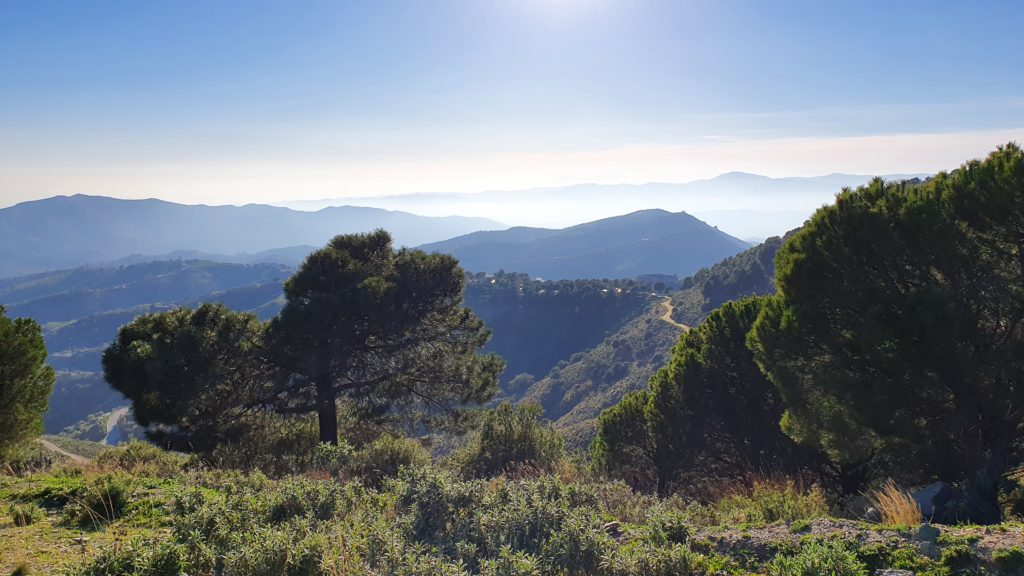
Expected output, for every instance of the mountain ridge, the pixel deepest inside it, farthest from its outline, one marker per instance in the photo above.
(650, 241)
(69, 231)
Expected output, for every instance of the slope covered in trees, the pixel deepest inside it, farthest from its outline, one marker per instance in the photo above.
(536, 324)
(576, 391)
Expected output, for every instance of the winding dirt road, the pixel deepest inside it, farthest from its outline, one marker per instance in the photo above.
(667, 316)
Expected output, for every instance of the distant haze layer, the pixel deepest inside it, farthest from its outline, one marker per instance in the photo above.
(744, 205)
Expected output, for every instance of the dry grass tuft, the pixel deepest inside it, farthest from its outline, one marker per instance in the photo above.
(896, 506)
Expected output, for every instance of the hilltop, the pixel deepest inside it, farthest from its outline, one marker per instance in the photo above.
(644, 242)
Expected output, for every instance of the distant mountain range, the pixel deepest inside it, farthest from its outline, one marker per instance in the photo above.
(644, 242)
(67, 231)
(744, 205)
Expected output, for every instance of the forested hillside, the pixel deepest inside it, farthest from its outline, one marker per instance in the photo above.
(575, 392)
(535, 324)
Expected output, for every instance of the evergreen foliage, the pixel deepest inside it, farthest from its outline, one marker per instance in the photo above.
(383, 328)
(25, 381)
(709, 414)
(191, 374)
(898, 330)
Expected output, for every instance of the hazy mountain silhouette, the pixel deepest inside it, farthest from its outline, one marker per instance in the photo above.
(66, 231)
(644, 242)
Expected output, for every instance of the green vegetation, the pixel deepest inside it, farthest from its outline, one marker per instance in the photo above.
(173, 516)
(25, 381)
(889, 357)
(897, 335)
(510, 438)
(538, 323)
(575, 392)
(383, 329)
(710, 415)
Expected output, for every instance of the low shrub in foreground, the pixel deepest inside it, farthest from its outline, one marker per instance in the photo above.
(140, 458)
(24, 514)
(104, 500)
(818, 558)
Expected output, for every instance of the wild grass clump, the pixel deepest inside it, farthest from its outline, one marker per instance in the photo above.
(140, 458)
(896, 506)
(104, 500)
(25, 514)
(818, 558)
(768, 501)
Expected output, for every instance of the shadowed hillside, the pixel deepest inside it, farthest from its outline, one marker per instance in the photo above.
(645, 242)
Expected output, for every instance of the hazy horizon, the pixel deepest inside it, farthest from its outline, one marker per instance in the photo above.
(238, 102)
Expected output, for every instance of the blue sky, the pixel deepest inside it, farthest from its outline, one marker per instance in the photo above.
(231, 101)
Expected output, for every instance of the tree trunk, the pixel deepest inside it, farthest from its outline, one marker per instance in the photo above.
(983, 489)
(326, 410)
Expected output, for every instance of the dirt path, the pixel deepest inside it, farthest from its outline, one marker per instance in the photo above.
(78, 459)
(112, 424)
(667, 316)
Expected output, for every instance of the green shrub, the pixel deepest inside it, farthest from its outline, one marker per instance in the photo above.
(24, 514)
(647, 560)
(767, 502)
(578, 546)
(55, 490)
(957, 556)
(138, 558)
(510, 437)
(333, 458)
(385, 456)
(818, 558)
(275, 446)
(140, 458)
(26, 458)
(511, 563)
(104, 500)
(1009, 560)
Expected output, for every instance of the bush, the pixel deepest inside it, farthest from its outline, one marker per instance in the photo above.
(24, 514)
(771, 501)
(385, 456)
(510, 437)
(333, 458)
(1009, 560)
(274, 446)
(26, 458)
(140, 458)
(818, 558)
(105, 500)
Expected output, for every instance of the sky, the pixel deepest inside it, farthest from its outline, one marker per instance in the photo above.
(233, 101)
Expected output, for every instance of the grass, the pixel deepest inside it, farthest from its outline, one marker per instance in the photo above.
(84, 448)
(896, 506)
(148, 513)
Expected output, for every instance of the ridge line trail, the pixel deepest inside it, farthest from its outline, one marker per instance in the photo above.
(77, 458)
(667, 316)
